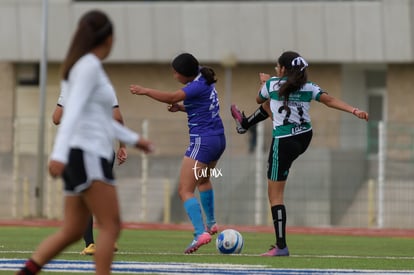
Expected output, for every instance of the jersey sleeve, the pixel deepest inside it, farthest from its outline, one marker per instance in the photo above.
(81, 85)
(115, 103)
(60, 100)
(125, 134)
(63, 94)
(192, 90)
(264, 91)
(316, 92)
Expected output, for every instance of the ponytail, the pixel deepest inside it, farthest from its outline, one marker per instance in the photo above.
(209, 74)
(296, 75)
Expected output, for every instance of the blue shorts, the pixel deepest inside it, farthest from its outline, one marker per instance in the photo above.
(206, 149)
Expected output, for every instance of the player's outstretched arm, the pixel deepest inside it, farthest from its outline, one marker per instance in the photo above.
(162, 96)
(145, 145)
(335, 103)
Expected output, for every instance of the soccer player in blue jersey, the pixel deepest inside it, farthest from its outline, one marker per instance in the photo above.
(198, 98)
(287, 98)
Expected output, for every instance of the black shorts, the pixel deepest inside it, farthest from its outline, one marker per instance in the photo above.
(283, 152)
(83, 168)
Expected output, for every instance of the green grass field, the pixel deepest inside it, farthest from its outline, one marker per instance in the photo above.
(307, 251)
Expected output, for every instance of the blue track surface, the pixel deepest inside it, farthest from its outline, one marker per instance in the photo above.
(187, 268)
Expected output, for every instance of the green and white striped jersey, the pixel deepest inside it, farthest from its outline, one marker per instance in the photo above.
(295, 120)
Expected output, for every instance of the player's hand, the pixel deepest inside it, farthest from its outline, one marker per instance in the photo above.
(121, 155)
(56, 168)
(137, 89)
(174, 107)
(263, 77)
(145, 145)
(360, 114)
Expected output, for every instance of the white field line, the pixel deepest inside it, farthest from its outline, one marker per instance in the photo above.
(234, 255)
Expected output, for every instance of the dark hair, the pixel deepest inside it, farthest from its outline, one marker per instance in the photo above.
(295, 73)
(93, 29)
(209, 75)
(186, 64)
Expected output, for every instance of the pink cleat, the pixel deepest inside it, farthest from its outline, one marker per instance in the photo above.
(238, 118)
(202, 239)
(212, 229)
(276, 251)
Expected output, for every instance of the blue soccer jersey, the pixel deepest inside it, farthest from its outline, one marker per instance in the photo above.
(202, 106)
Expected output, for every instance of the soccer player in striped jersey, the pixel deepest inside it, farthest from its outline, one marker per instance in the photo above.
(288, 97)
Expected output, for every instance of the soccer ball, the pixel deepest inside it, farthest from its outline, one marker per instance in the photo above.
(229, 241)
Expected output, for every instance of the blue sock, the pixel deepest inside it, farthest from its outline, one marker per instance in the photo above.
(193, 209)
(207, 201)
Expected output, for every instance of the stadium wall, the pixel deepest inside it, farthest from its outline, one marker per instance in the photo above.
(345, 41)
(320, 182)
(256, 31)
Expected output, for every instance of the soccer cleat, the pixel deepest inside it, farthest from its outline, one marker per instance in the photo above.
(212, 229)
(89, 250)
(115, 247)
(238, 118)
(202, 239)
(276, 251)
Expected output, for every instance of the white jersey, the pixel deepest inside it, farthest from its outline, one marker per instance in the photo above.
(64, 94)
(87, 121)
(295, 120)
